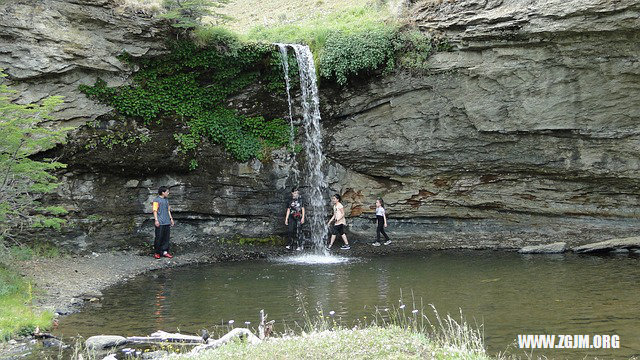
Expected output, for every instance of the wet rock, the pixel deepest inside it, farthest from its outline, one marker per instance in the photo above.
(101, 342)
(554, 248)
(54, 343)
(155, 355)
(621, 251)
(90, 295)
(610, 245)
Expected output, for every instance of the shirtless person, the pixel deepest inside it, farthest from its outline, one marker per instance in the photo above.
(340, 222)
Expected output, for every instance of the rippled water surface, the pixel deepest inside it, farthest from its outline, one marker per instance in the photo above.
(507, 293)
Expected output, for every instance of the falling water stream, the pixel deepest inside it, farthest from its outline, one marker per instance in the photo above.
(285, 68)
(313, 177)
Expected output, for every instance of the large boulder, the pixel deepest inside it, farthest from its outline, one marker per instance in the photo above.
(102, 342)
(554, 248)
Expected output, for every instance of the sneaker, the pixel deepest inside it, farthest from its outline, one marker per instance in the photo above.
(345, 247)
(299, 248)
(157, 256)
(327, 248)
(376, 244)
(288, 247)
(387, 242)
(167, 255)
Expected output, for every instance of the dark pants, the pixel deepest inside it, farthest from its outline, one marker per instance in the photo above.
(380, 229)
(295, 232)
(161, 243)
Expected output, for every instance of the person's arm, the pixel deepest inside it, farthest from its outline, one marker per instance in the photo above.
(384, 215)
(302, 220)
(170, 217)
(156, 205)
(286, 217)
(332, 218)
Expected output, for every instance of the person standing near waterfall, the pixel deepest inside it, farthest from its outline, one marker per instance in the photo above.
(340, 222)
(294, 220)
(163, 222)
(381, 218)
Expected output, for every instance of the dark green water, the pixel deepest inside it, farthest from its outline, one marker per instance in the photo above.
(508, 293)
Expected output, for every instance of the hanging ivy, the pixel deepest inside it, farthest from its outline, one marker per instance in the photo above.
(191, 84)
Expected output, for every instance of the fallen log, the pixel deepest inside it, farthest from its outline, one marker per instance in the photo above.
(162, 336)
(235, 333)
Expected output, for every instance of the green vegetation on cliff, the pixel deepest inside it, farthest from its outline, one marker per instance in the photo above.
(356, 41)
(192, 82)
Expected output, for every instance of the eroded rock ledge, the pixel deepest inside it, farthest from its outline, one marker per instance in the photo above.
(526, 132)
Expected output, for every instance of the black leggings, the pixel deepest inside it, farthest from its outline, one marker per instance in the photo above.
(295, 230)
(380, 229)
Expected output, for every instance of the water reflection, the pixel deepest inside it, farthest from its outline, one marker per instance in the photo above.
(510, 294)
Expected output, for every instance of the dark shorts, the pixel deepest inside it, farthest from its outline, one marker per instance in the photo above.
(338, 229)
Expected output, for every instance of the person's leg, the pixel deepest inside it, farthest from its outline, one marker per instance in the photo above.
(298, 233)
(344, 238)
(381, 231)
(291, 230)
(384, 233)
(333, 238)
(166, 233)
(157, 242)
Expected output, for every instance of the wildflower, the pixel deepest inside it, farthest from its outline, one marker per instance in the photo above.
(386, 309)
(332, 312)
(231, 322)
(415, 311)
(402, 306)
(247, 323)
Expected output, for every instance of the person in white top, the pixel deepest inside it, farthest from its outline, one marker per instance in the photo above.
(381, 217)
(340, 222)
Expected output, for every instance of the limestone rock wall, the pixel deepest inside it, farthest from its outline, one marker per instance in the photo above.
(49, 47)
(527, 130)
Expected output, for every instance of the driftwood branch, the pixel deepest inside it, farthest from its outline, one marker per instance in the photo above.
(161, 336)
(235, 333)
(201, 342)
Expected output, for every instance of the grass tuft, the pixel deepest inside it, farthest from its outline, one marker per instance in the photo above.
(17, 314)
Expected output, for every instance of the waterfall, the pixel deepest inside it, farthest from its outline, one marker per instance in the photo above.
(285, 68)
(313, 177)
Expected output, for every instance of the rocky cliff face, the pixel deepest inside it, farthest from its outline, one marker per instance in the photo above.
(49, 47)
(525, 132)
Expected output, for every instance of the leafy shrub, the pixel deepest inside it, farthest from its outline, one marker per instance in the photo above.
(189, 14)
(348, 54)
(356, 42)
(192, 83)
(25, 180)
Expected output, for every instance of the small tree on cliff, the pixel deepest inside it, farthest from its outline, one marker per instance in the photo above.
(188, 14)
(24, 180)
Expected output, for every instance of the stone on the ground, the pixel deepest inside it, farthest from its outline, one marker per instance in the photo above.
(610, 245)
(101, 342)
(160, 354)
(554, 248)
